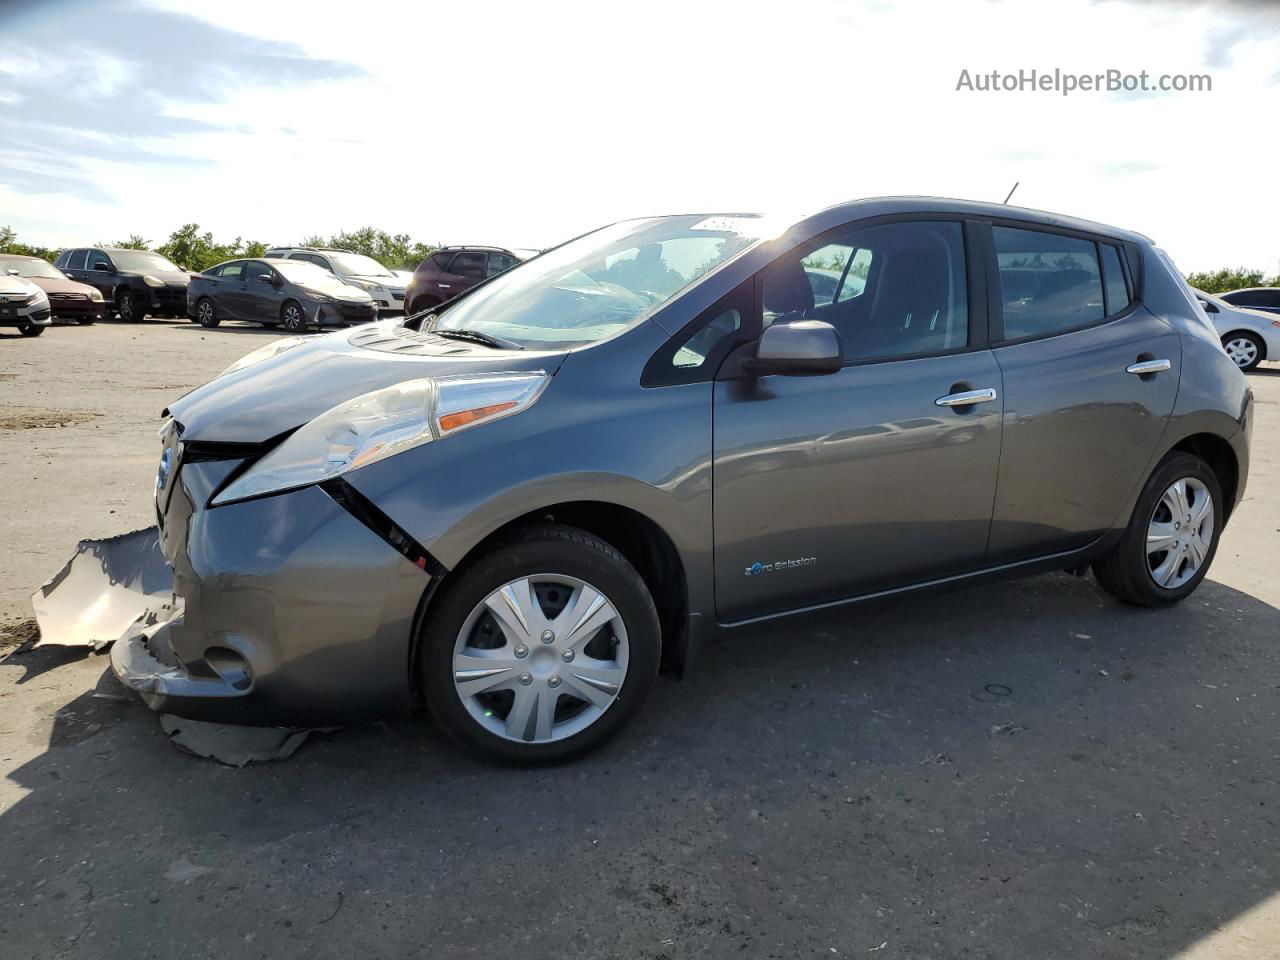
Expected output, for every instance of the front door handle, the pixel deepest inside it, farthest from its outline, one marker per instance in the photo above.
(966, 398)
(443, 286)
(1147, 367)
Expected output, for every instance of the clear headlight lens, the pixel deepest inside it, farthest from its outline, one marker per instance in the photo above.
(95, 294)
(380, 424)
(364, 285)
(264, 353)
(151, 281)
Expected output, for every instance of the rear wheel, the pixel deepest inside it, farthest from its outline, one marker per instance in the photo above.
(1171, 538)
(540, 649)
(1245, 348)
(207, 313)
(30, 330)
(295, 321)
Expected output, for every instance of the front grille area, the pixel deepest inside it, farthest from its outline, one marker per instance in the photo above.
(68, 297)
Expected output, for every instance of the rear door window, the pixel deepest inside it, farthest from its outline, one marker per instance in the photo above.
(232, 271)
(500, 262)
(468, 264)
(74, 260)
(1049, 283)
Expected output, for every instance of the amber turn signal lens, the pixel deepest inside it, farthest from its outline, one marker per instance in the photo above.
(452, 421)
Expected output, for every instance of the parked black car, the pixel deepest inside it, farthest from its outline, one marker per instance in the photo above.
(136, 283)
(1254, 298)
(276, 292)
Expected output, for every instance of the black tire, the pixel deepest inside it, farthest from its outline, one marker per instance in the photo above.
(207, 313)
(1125, 572)
(293, 317)
(30, 330)
(86, 321)
(1259, 348)
(538, 550)
(128, 307)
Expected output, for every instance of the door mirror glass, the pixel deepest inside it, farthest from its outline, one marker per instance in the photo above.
(798, 348)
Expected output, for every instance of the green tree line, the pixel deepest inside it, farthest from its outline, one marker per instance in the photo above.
(194, 250)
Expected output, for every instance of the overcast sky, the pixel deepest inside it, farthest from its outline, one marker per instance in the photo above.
(525, 123)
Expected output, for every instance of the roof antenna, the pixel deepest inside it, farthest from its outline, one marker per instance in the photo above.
(1011, 189)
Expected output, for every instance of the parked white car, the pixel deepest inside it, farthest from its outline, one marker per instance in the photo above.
(366, 273)
(1248, 336)
(23, 305)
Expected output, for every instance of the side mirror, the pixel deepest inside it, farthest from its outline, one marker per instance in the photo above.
(267, 278)
(1209, 307)
(103, 267)
(11, 272)
(798, 349)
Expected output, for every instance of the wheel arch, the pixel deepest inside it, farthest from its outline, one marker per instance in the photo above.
(1217, 453)
(640, 539)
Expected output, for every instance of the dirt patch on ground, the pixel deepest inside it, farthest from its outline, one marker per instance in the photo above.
(18, 632)
(36, 419)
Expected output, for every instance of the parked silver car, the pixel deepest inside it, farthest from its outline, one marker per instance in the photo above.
(23, 305)
(516, 509)
(1248, 336)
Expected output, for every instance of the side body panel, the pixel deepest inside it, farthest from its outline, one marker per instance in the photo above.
(831, 486)
(1079, 432)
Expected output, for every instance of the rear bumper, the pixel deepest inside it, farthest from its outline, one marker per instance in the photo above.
(293, 612)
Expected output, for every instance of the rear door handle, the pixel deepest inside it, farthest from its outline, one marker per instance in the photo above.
(966, 398)
(443, 286)
(1146, 367)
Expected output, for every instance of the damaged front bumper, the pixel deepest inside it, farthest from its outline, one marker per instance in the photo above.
(286, 610)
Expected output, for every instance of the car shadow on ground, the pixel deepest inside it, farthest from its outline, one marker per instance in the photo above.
(1010, 771)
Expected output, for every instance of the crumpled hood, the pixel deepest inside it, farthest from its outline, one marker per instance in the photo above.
(278, 395)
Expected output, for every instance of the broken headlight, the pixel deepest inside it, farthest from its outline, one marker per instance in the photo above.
(380, 424)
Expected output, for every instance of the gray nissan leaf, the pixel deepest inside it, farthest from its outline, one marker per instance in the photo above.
(516, 509)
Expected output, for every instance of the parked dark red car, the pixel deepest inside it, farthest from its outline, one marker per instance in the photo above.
(451, 270)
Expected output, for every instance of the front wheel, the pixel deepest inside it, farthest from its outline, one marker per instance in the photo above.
(30, 330)
(1171, 538)
(128, 307)
(1245, 348)
(540, 649)
(85, 321)
(295, 321)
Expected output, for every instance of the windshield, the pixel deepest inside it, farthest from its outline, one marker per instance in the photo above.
(358, 265)
(31, 268)
(313, 277)
(594, 287)
(143, 260)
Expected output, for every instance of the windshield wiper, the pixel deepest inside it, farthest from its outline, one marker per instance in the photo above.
(475, 336)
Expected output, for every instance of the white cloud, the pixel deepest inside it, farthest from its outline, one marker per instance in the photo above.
(536, 121)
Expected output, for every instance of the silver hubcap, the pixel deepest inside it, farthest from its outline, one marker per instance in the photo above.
(292, 317)
(206, 312)
(540, 658)
(1180, 533)
(1242, 351)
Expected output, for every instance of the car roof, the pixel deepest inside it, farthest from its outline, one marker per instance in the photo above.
(885, 206)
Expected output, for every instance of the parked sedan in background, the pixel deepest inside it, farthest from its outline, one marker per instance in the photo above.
(450, 271)
(1248, 336)
(67, 299)
(276, 292)
(366, 273)
(1255, 298)
(23, 305)
(136, 283)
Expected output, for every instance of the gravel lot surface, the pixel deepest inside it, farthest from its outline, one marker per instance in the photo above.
(1026, 770)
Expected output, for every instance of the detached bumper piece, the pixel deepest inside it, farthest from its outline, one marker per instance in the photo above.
(113, 589)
